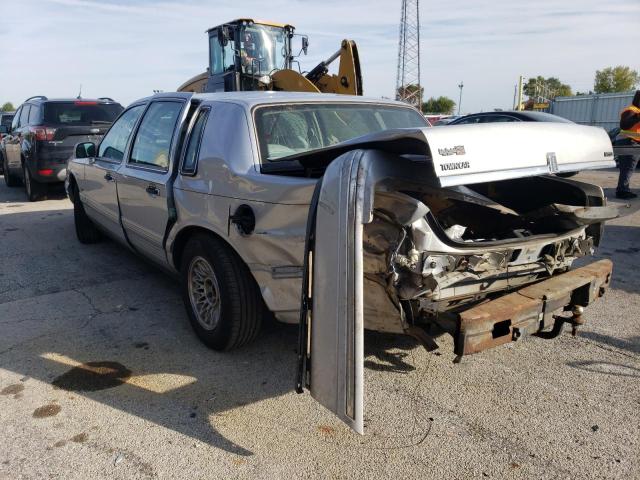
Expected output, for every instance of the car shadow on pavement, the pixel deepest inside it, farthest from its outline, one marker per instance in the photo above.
(388, 352)
(99, 322)
(607, 368)
(631, 344)
(18, 194)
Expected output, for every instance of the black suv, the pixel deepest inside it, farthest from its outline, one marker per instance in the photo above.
(43, 135)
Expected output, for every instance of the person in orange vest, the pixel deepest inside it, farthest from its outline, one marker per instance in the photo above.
(630, 135)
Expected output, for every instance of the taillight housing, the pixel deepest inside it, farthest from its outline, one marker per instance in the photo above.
(43, 133)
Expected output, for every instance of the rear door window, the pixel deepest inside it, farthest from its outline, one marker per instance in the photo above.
(115, 141)
(81, 112)
(153, 139)
(193, 145)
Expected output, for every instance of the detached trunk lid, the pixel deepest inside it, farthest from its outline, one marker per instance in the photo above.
(465, 154)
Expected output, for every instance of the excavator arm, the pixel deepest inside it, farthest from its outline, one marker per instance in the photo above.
(348, 80)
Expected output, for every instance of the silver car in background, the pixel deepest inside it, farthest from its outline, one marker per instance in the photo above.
(345, 213)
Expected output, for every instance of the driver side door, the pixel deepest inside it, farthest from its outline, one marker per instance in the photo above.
(98, 189)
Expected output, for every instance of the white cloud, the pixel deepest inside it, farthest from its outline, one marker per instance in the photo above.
(125, 49)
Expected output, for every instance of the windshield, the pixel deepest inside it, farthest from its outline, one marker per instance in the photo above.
(81, 113)
(263, 49)
(285, 130)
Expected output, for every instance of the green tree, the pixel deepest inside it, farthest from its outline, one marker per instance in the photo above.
(439, 105)
(409, 90)
(546, 88)
(615, 79)
(8, 107)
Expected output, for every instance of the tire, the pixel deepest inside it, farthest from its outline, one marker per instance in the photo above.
(9, 180)
(86, 231)
(34, 189)
(215, 274)
(567, 174)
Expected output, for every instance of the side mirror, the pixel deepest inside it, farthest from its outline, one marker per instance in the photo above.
(4, 129)
(305, 44)
(85, 150)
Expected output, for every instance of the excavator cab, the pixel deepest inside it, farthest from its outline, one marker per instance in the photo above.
(243, 55)
(252, 55)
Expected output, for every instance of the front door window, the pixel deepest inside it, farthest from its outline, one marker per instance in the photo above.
(115, 141)
(153, 140)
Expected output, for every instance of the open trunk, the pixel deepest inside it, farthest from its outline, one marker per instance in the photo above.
(396, 242)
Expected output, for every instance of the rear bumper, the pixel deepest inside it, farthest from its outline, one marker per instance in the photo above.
(531, 309)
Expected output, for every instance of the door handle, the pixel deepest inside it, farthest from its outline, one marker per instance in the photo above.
(153, 190)
(108, 177)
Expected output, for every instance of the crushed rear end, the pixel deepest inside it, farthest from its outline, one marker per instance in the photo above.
(475, 239)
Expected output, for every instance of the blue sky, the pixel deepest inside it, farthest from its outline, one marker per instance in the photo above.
(125, 49)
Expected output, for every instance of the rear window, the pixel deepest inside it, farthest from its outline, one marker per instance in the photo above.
(285, 130)
(81, 113)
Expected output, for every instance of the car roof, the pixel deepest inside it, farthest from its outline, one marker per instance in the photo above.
(254, 98)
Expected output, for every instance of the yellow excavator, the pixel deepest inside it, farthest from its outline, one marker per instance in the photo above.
(247, 54)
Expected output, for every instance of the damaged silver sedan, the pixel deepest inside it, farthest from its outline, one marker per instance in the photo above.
(345, 214)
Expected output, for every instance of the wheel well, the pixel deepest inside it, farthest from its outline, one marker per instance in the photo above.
(183, 237)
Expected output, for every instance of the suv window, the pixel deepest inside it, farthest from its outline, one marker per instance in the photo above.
(24, 115)
(16, 120)
(80, 112)
(153, 139)
(193, 145)
(34, 115)
(115, 141)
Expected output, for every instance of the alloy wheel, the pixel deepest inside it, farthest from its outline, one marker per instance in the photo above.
(204, 293)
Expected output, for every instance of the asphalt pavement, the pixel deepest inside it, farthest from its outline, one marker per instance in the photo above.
(102, 377)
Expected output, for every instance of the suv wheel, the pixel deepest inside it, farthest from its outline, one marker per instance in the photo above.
(33, 188)
(221, 297)
(86, 231)
(9, 179)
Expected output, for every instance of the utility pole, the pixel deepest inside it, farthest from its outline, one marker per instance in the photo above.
(408, 86)
(460, 86)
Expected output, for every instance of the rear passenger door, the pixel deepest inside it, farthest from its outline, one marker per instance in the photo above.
(98, 189)
(143, 181)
